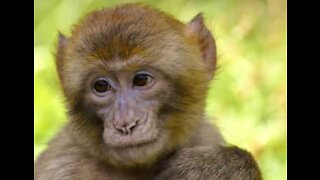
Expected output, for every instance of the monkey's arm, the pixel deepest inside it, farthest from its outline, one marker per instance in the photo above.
(201, 163)
(207, 157)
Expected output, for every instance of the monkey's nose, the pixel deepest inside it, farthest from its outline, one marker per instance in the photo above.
(126, 128)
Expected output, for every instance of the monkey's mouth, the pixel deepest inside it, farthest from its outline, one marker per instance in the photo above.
(136, 145)
(135, 140)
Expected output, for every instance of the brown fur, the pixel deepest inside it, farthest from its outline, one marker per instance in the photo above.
(179, 143)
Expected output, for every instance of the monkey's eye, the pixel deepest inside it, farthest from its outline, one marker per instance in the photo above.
(142, 79)
(101, 86)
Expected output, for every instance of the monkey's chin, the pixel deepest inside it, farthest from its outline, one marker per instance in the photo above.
(139, 155)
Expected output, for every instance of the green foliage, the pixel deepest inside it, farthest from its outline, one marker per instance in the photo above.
(248, 95)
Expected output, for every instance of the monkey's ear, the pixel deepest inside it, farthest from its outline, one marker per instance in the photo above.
(62, 41)
(196, 29)
(62, 44)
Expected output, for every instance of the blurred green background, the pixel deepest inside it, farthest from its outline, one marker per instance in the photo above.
(248, 95)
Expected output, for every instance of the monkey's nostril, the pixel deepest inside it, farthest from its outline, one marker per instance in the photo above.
(131, 126)
(120, 129)
(126, 129)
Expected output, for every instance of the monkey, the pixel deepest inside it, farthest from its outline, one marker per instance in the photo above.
(135, 81)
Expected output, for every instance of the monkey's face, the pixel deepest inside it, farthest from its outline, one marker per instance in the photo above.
(132, 105)
(144, 108)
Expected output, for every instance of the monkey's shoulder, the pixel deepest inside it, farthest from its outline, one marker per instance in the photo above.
(207, 134)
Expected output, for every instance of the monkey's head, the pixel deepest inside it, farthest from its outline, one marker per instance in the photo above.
(135, 80)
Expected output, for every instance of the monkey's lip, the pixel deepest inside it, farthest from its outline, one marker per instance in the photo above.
(133, 144)
(142, 144)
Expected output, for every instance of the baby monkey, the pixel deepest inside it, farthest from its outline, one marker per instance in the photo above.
(135, 82)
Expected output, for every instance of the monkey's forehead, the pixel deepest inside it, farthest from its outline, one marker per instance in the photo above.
(125, 30)
(130, 14)
(130, 19)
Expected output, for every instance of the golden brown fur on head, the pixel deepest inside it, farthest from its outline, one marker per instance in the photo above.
(129, 28)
